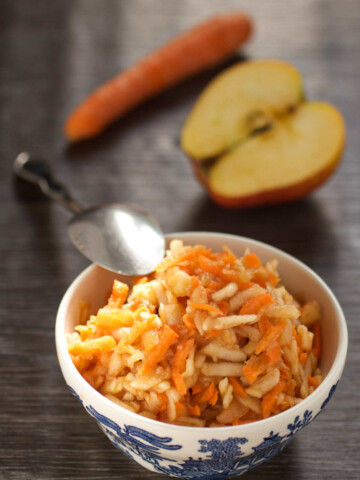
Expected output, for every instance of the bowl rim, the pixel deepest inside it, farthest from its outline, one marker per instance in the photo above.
(323, 389)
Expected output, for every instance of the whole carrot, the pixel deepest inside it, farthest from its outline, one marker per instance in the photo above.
(197, 49)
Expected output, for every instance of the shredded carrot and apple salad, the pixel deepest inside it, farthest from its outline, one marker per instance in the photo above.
(209, 339)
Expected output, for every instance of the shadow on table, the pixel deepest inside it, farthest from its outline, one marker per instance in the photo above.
(300, 228)
(177, 97)
(44, 243)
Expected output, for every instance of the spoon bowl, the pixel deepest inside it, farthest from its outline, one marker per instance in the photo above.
(121, 238)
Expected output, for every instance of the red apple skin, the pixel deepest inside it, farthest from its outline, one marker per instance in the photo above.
(270, 197)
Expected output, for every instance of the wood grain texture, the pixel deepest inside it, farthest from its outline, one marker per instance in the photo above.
(51, 55)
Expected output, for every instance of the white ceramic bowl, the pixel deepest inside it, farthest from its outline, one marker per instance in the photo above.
(192, 452)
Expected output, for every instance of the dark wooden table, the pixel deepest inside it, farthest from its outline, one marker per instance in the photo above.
(51, 55)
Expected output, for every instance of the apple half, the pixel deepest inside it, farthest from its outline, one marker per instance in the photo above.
(254, 140)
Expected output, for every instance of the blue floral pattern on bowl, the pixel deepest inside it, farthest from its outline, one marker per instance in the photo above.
(219, 459)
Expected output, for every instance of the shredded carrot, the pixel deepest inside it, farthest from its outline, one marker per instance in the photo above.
(149, 339)
(257, 364)
(285, 373)
(254, 304)
(213, 285)
(118, 294)
(273, 280)
(229, 257)
(197, 49)
(197, 388)
(206, 307)
(244, 285)
(194, 410)
(90, 347)
(195, 282)
(317, 340)
(251, 260)
(180, 408)
(264, 324)
(273, 353)
(209, 266)
(314, 382)
(163, 401)
(224, 307)
(303, 357)
(217, 268)
(207, 395)
(167, 263)
(139, 328)
(290, 387)
(140, 280)
(188, 322)
(214, 397)
(213, 333)
(269, 337)
(182, 352)
(166, 338)
(269, 400)
(237, 387)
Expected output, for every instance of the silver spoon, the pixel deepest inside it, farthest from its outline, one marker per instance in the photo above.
(120, 238)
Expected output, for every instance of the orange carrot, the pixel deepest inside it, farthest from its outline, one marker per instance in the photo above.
(224, 307)
(314, 382)
(149, 340)
(163, 401)
(207, 395)
(187, 254)
(317, 340)
(269, 400)
(214, 397)
(257, 364)
(213, 333)
(206, 307)
(273, 279)
(195, 282)
(269, 337)
(229, 257)
(197, 388)
(237, 387)
(213, 286)
(188, 322)
(285, 373)
(251, 260)
(140, 280)
(254, 304)
(198, 49)
(166, 338)
(180, 407)
(118, 294)
(209, 265)
(138, 329)
(264, 324)
(182, 352)
(273, 353)
(194, 410)
(217, 268)
(303, 358)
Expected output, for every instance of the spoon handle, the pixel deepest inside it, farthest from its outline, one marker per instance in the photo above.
(38, 171)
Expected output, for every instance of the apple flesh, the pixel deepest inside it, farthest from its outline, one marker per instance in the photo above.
(254, 140)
